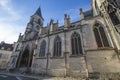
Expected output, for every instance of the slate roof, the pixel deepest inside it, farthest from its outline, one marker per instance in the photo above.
(6, 46)
(88, 13)
(38, 12)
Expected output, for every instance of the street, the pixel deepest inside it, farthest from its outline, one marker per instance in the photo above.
(11, 77)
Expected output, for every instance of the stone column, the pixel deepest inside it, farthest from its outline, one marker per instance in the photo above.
(48, 54)
(47, 63)
(66, 56)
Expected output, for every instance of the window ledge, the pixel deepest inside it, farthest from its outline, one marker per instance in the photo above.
(77, 55)
(41, 58)
(102, 48)
(57, 57)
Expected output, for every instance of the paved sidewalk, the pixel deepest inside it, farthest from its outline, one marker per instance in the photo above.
(18, 74)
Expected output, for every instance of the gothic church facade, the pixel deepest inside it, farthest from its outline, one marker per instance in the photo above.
(89, 45)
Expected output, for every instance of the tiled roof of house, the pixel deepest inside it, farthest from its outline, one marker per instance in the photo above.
(6, 46)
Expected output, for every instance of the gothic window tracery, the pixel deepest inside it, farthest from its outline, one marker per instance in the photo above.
(100, 36)
(57, 47)
(76, 44)
(112, 14)
(115, 3)
(42, 48)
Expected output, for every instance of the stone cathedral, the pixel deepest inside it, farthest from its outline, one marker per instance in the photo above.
(87, 46)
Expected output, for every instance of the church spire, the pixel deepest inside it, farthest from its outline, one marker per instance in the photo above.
(38, 12)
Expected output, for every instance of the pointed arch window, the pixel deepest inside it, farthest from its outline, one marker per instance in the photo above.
(100, 36)
(42, 48)
(57, 47)
(76, 44)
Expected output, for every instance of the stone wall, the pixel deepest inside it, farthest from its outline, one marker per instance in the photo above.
(4, 58)
(102, 61)
(104, 76)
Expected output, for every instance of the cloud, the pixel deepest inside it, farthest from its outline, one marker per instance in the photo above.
(9, 32)
(9, 28)
(6, 5)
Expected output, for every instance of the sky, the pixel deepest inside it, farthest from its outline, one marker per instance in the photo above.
(15, 14)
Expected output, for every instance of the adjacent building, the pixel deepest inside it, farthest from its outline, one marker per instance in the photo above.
(5, 54)
(89, 45)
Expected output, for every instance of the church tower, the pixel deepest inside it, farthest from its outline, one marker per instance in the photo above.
(35, 23)
(37, 17)
(26, 42)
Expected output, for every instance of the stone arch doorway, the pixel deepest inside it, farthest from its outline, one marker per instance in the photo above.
(25, 58)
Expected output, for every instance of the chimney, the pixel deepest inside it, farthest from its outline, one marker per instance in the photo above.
(81, 13)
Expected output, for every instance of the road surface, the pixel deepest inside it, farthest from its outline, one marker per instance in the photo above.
(12, 77)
